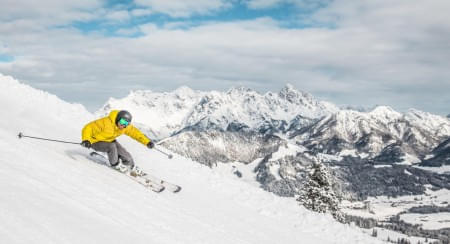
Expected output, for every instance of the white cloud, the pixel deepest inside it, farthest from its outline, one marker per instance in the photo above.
(121, 15)
(141, 12)
(184, 8)
(149, 28)
(3, 48)
(128, 31)
(379, 52)
(47, 11)
(301, 4)
(257, 4)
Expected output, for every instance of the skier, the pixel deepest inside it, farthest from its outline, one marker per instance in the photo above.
(101, 135)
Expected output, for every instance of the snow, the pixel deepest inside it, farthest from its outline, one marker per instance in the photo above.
(164, 113)
(323, 157)
(428, 156)
(382, 166)
(431, 221)
(385, 234)
(275, 171)
(445, 169)
(51, 193)
(347, 152)
(168, 112)
(247, 171)
(409, 159)
(407, 172)
(384, 114)
(364, 155)
(288, 150)
(439, 125)
(383, 207)
(418, 131)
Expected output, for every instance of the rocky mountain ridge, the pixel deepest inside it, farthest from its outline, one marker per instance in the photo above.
(239, 108)
(242, 125)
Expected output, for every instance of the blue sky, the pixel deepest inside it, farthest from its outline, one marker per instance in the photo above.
(363, 53)
(6, 58)
(286, 13)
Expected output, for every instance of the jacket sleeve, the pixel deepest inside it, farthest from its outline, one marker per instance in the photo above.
(136, 134)
(91, 129)
(86, 133)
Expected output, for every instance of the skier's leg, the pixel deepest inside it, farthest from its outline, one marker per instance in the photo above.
(126, 157)
(110, 148)
(127, 160)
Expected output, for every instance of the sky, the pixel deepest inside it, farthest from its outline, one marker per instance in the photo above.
(356, 53)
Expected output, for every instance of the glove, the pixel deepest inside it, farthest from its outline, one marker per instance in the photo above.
(150, 145)
(86, 144)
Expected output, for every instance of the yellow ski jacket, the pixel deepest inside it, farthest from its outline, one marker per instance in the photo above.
(105, 129)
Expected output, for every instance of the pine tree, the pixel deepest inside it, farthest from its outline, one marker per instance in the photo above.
(318, 193)
(374, 232)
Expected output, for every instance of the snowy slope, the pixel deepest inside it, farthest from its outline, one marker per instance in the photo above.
(52, 194)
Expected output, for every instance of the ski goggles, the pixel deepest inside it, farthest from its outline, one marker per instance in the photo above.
(124, 122)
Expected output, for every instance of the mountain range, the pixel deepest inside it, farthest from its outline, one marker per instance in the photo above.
(242, 125)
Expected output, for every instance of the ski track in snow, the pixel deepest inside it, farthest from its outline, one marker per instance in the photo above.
(51, 193)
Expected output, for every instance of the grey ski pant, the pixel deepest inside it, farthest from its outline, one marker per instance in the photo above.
(115, 151)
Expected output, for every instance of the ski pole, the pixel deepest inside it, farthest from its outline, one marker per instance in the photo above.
(45, 139)
(170, 156)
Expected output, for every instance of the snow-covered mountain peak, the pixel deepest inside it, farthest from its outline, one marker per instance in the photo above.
(384, 110)
(416, 114)
(439, 125)
(240, 90)
(292, 95)
(385, 114)
(185, 91)
(350, 124)
(371, 132)
(171, 111)
(349, 114)
(288, 88)
(306, 103)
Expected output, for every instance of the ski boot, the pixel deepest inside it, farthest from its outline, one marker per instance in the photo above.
(121, 167)
(135, 171)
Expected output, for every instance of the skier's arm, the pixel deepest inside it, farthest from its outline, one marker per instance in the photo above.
(86, 133)
(136, 134)
(91, 129)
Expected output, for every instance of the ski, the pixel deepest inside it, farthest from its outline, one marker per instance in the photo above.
(167, 185)
(151, 182)
(146, 183)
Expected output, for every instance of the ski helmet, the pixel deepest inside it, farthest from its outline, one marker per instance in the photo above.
(123, 114)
